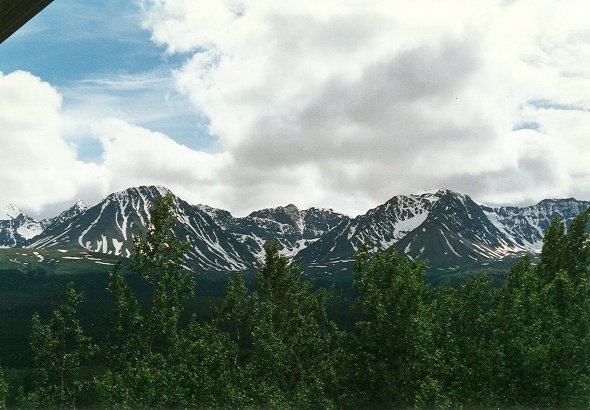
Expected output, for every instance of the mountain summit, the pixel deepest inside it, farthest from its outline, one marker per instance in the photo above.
(445, 227)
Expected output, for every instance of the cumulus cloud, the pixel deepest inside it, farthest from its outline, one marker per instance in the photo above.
(367, 99)
(39, 168)
(338, 104)
(134, 155)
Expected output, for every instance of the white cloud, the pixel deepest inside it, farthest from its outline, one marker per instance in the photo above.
(134, 156)
(39, 168)
(335, 103)
(374, 98)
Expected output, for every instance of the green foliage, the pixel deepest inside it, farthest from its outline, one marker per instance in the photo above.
(523, 344)
(542, 323)
(204, 371)
(566, 250)
(385, 361)
(39, 263)
(3, 390)
(144, 345)
(285, 359)
(155, 360)
(464, 364)
(195, 373)
(159, 260)
(565, 303)
(517, 326)
(60, 348)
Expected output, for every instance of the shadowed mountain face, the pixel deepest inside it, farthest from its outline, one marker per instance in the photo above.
(456, 230)
(447, 228)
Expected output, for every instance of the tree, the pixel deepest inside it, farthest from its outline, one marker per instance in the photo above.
(542, 321)
(285, 336)
(159, 260)
(385, 361)
(60, 348)
(143, 345)
(567, 314)
(552, 250)
(3, 390)
(576, 250)
(465, 364)
(204, 371)
(567, 250)
(517, 326)
(564, 270)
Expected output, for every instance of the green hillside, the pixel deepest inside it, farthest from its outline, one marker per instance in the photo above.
(38, 262)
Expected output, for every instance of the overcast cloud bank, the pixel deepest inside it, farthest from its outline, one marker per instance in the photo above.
(334, 104)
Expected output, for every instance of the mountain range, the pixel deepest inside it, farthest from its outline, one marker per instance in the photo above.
(447, 228)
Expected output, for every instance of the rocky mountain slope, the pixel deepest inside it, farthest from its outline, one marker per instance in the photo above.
(447, 228)
(16, 227)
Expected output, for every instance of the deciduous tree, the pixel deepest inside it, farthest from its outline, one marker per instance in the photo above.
(386, 360)
(286, 337)
(144, 343)
(60, 348)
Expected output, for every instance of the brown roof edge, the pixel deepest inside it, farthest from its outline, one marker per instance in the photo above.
(15, 13)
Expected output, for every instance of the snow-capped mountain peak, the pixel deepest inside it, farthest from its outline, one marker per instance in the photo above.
(8, 211)
(15, 226)
(81, 205)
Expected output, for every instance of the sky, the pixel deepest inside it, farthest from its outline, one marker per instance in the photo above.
(340, 104)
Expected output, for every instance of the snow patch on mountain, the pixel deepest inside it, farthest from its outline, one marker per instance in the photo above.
(30, 229)
(411, 223)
